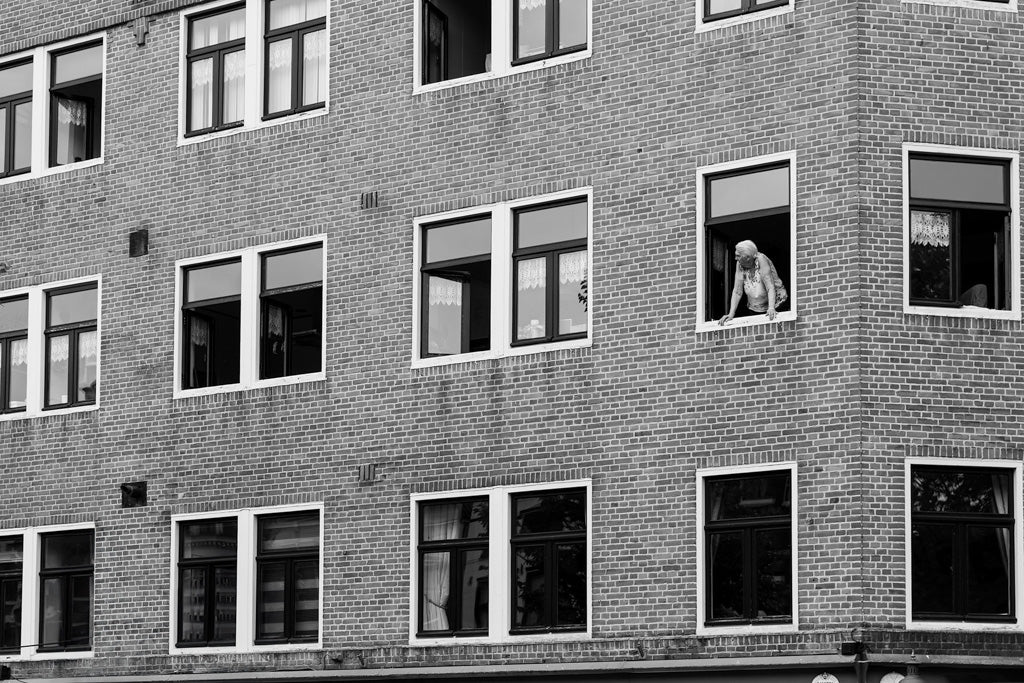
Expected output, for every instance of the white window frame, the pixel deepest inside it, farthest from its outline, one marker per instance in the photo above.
(501, 215)
(245, 616)
(969, 4)
(255, 13)
(1018, 539)
(702, 26)
(32, 560)
(36, 389)
(747, 629)
(41, 74)
(499, 501)
(501, 49)
(752, 163)
(249, 323)
(1014, 257)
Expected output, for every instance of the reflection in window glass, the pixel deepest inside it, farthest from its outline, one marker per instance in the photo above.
(288, 578)
(11, 558)
(65, 581)
(212, 334)
(531, 16)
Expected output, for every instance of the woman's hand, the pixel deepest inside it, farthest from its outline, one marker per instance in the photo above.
(772, 313)
(725, 318)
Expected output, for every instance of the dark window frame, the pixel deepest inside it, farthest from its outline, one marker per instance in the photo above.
(189, 310)
(265, 294)
(93, 142)
(431, 12)
(454, 548)
(961, 522)
(74, 331)
(8, 107)
(12, 579)
(295, 32)
(6, 339)
(747, 527)
(748, 7)
(954, 208)
(550, 541)
(218, 52)
(551, 252)
(291, 558)
(66, 575)
(552, 32)
(209, 566)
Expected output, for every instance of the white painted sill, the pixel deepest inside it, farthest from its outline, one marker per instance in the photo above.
(12, 417)
(47, 656)
(707, 26)
(504, 639)
(418, 89)
(247, 649)
(747, 321)
(962, 626)
(261, 384)
(747, 629)
(260, 125)
(962, 312)
(513, 351)
(969, 4)
(55, 170)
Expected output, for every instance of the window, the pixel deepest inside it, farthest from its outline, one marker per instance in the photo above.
(465, 40)
(506, 564)
(11, 569)
(741, 206)
(961, 239)
(992, 5)
(49, 348)
(71, 76)
(963, 542)
(251, 63)
(252, 316)
(746, 555)
(248, 579)
(722, 9)
(511, 278)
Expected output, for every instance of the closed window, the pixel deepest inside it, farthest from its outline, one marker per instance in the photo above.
(72, 351)
(547, 28)
(207, 582)
(15, 118)
(216, 71)
(65, 582)
(11, 570)
(288, 578)
(296, 56)
(722, 9)
(13, 354)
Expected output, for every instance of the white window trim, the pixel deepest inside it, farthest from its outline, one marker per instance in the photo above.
(254, 47)
(501, 49)
(501, 280)
(499, 598)
(30, 566)
(705, 26)
(245, 615)
(1014, 257)
(41, 70)
(750, 320)
(1018, 540)
(249, 323)
(969, 4)
(747, 629)
(36, 388)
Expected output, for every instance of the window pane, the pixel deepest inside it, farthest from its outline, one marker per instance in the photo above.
(71, 129)
(726, 584)
(720, 6)
(57, 368)
(754, 191)
(473, 588)
(15, 80)
(989, 568)
(962, 491)
(22, 136)
(81, 611)
(18, 362)
(467, 238)
(932, 568)
(290, 268)
(3, 139)
(193, 606)
(71, 307)
(14, 314)
(67, 550)
(314, 67)
(279, 76)
(572, 23)
(931, 255)
(11, 552)
(307, 599)
(573, 294)
(958, 181)
(218, 28)
(436, 587)
(531, 24)
(550, 512)
(212, 345)
(51, 625)
(292, 336)
(551, 224)
(10, 604)
(72, 66)
(762, 495)
(213, 282)
(447, 521)
(87, 355)
(572, 585)
(270, 600)
(531, 298)
(225, 598)
(774, 573)
(529, 587)
(289, 532)
(444, 315)
(201, 94)
(209, 538)
(290, 12)
(233, 108)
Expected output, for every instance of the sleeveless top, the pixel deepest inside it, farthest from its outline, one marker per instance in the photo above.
(753, 287)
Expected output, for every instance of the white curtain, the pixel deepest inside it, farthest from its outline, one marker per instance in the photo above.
(532, 274)
(279, 83)
(234, 86)
(314, 67)
(930, 228)
(440, 522)
(202, 94)
(72, 123)
(200, 332)
(19, 352)
(445, 292)
(59, 349)
(572, 267)
(531, 4)
(290, 12)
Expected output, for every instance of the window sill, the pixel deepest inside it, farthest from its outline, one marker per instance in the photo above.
(56, 170)
(969, 4)
(250, 126)
(747, 629)
(246, 649)
(261, 384)
(708, 26)
(503, 353)
(504, 639)
(418, 88)
(13, 417)
(962, 312)
(962, 626)
(747, 321)
(48, 656)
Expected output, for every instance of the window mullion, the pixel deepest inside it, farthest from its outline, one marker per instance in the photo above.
(254, 52)
(36, 347)
(297, 64)
(502, 21)
(749, 569)
(499, 550)
(501, 279)
(245, 612)
(40, 111)
(249, 319)
(30, 593)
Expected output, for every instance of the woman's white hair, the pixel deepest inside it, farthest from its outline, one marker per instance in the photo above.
(747, 247)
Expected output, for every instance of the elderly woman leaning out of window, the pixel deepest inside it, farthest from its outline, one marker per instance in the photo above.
(757, 278)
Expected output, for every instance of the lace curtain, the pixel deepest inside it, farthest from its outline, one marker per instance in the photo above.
(440, 522)
(279, 82)
(59, 348)
(525, 5)
(19, 352)
(929, 228)
(445, 292)
(199, 332)
(572, 267)
(202, 94)
(234, 86)
(314, 66)
(290, 12)
(532, 274)
(72, 123)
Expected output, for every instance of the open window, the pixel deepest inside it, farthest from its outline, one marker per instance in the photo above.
(76, 109)
(291, 312)
(211, 315)
(16, 118)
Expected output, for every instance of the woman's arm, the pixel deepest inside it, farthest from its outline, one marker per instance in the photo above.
(737, 294)
(769, 284)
